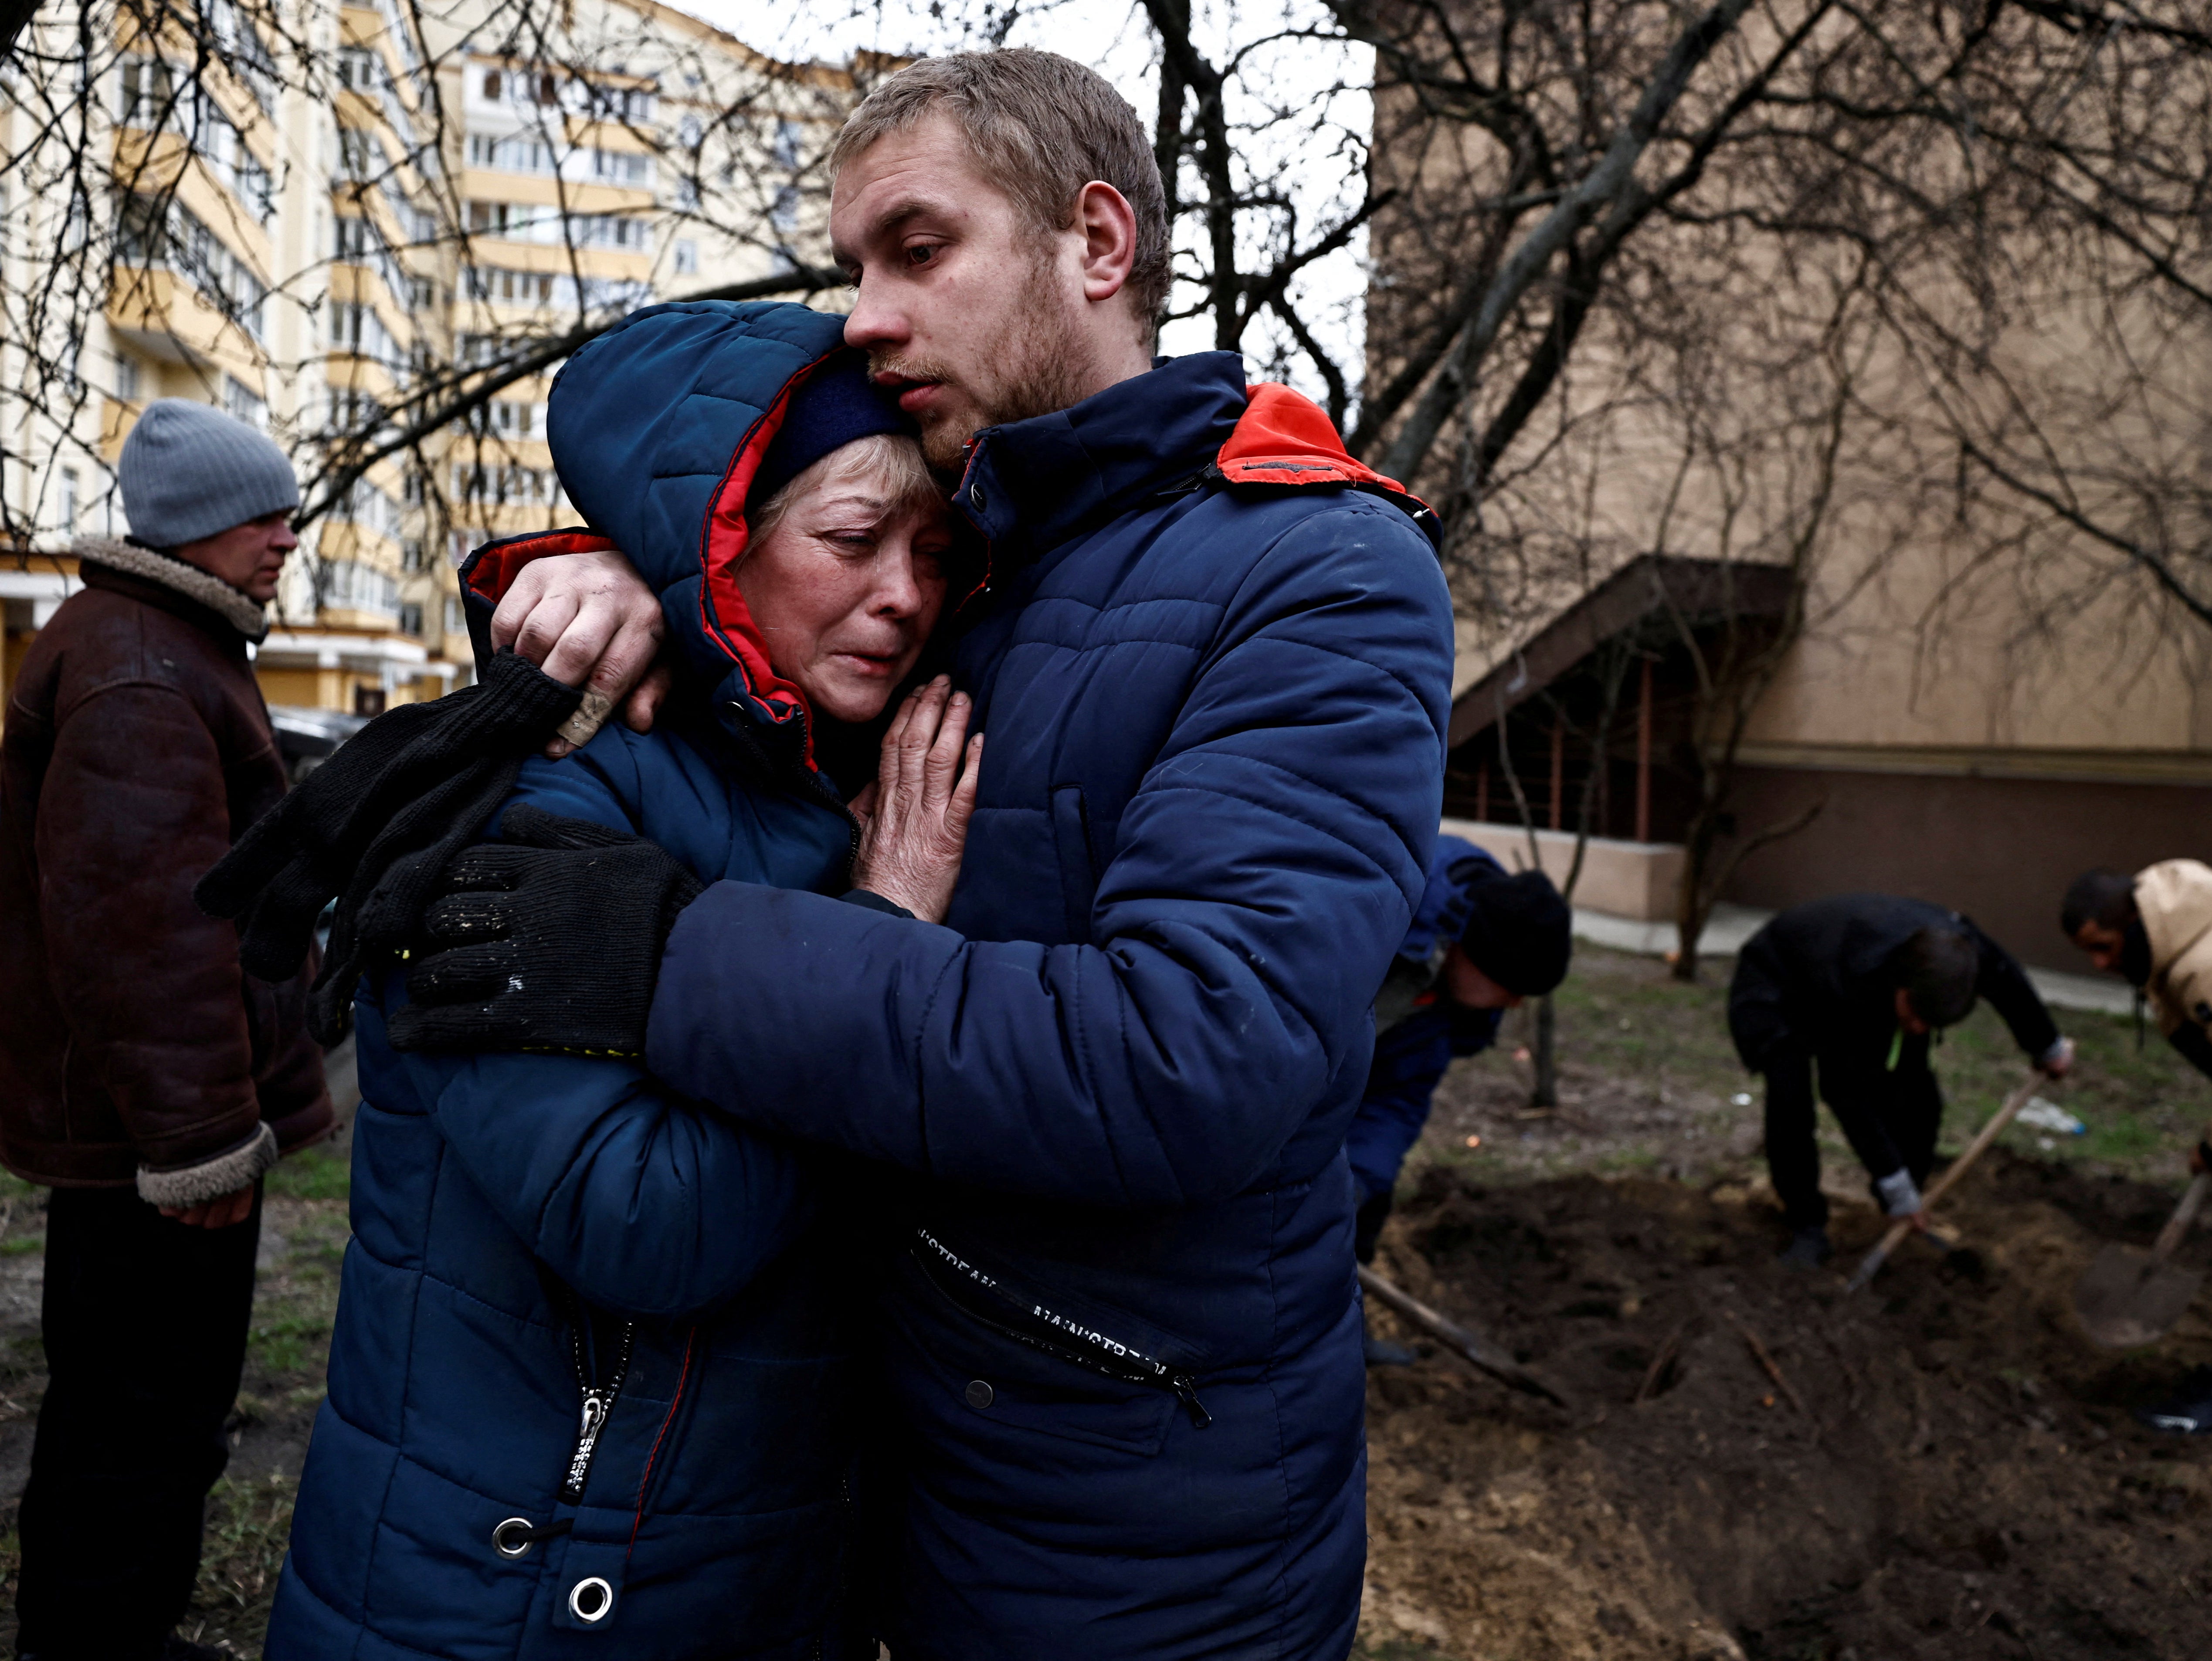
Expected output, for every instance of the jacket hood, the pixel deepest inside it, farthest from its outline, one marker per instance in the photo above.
(1442, 913)
(657, 428)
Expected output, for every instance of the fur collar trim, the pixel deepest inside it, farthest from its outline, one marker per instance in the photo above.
(241, 611)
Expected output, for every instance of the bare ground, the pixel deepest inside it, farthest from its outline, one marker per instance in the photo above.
(1944, 1467)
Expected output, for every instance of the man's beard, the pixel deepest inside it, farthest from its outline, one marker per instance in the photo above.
(1032, 372)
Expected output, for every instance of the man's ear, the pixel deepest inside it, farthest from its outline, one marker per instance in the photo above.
(1108, 226)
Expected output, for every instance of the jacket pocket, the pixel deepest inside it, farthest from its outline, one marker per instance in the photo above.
(1079, 866)
(999, 1359)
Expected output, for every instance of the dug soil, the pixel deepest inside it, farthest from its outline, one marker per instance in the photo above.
(1940, 1467)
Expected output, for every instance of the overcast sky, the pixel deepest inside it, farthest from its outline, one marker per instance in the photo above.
(1110, 36)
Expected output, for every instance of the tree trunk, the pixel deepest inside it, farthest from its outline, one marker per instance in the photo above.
(1546, 1053)
(1692, 904)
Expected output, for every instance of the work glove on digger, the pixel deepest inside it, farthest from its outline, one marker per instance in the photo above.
(374, 826)
(549, 939)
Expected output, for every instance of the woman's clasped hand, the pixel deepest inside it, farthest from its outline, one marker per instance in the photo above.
(914, 819)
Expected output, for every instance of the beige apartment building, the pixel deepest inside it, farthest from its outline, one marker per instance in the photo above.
(1965, 713)
(319, 217)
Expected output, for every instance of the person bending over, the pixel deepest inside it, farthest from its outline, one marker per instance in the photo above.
(593, 1377)
(1854, 986)
(1480, 942)
(2155, 930)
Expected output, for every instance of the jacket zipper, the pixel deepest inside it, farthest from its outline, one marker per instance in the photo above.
(599, 1401)
(1041, 1330)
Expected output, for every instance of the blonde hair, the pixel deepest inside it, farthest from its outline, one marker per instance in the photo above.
(891, 461)
(1042, 126)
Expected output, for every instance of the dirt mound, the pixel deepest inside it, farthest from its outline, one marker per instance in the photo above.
(1944, 1466)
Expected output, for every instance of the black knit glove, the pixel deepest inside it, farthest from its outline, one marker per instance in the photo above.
(373, 827)
(550, 941)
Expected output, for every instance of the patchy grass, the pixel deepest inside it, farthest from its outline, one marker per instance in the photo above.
(321, 1172)
(248, 1524)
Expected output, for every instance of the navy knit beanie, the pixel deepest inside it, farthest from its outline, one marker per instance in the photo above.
(833, 406)
(1518, 931)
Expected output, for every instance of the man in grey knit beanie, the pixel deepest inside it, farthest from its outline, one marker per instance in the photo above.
(144, 1075)
(207, 497)
(188, 470)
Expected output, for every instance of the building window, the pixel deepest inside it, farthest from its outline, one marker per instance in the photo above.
(456, 623)
(245, 403)
(492, 89)
(411, 556)
(687, 257)
(149, 92)
(520, 154)
(350, 585)
(358, 68)
(621, 166)
(368, 700)
(69, 498)
(126, 379)
(357, 150)
(411, 620)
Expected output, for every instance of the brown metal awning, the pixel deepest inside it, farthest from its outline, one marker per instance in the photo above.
(1701, 591)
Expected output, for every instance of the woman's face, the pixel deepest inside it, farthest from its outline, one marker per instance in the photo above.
(844, 589)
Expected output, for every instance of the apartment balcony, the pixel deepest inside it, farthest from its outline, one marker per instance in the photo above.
(158, 313)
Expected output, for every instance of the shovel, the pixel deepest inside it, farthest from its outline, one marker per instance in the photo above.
(1476, 1349)
(2131, 1297)
(1875, 1259)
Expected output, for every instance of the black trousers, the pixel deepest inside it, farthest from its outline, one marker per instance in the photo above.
(145, 1323)
(1890, 1118)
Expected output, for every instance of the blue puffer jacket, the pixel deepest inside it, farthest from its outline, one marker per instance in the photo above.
(1412, 1054)
(529, 1224)
(1214, 667)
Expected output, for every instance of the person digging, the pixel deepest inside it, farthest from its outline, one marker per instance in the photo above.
(1856, 986)
(1480, 942)
(2155, 930)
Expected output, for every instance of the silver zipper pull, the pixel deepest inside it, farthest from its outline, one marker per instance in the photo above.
(588, 1439)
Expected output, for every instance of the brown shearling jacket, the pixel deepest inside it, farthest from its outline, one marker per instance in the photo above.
(133, 1047)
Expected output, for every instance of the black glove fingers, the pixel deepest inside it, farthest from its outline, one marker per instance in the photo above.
(468, 919)
(474, 973)
(486, 868)
(584, 929)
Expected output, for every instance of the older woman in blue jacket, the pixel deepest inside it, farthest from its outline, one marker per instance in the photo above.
(592, 1387)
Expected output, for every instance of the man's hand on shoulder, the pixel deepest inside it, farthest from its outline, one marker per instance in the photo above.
(588, 620)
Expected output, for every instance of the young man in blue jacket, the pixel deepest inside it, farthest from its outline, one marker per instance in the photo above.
(1482, 942)
(1213, 659)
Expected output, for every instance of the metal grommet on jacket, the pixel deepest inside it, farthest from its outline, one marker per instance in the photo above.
(591, 1598)
(515, 1537)
(980, 1393)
